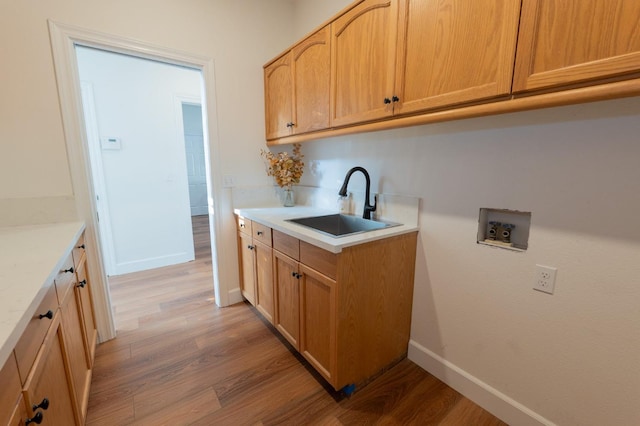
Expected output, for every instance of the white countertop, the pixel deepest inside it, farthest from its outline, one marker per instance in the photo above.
(275, 217)
(30, 258)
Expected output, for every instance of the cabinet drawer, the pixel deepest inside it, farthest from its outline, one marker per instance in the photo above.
(65, 279)
(27, 347)
(286, 244)
(10, 390)
(244, 225)
(261, 233)
(321, 260)
(78, 251)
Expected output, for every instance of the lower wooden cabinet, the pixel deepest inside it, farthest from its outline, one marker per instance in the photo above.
(47, 377)
(48, 389)
(256, 266)
(348, 314)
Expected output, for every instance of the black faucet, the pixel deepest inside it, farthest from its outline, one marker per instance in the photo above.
(366, 214)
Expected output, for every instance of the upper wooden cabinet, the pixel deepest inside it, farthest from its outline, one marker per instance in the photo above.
(396, 63)
(278, 97)
(454, 51)
(363, 52)
(297, 88)
(576, 41)
(311, 80)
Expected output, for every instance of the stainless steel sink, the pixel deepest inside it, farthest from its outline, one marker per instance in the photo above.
(340, 225)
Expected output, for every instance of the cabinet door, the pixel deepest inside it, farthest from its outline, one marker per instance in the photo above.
(10, 390)
(85, 303)
(363, 53)
(318, 321)
(75, 349)
(311, 80)
(574, 41)
(19, 415)
(454, 51)
(48, 380)
(278, 97)
(287, 297)
(264, 280)
(247, 270)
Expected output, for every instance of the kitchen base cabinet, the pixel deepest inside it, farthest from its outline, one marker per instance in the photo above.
(47, 377)
(348, 314)
(48, 389)
(256, 266)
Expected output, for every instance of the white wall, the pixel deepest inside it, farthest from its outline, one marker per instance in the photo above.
(146, 189)
(572, 357)
(239, 36)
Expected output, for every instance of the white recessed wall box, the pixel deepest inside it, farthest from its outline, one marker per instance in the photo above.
(504, 228)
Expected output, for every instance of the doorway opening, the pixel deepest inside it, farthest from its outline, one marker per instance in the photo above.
(145, 169)
(65, 39)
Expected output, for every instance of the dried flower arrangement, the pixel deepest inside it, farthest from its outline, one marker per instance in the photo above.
(286, 169)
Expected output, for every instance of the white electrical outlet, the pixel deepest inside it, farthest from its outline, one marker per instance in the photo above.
(545, 279)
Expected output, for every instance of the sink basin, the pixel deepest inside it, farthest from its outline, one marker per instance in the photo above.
(339, 225)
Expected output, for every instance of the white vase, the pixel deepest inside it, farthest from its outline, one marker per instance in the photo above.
(287, 198)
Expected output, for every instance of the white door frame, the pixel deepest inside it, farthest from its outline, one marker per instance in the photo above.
(64, 38)
(97, 176)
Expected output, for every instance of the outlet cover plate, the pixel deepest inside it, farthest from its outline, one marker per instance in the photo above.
(545, 279)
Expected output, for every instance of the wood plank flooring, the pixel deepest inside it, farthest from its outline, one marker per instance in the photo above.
(180, 360)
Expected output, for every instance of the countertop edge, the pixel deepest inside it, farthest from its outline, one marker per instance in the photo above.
(20, 326)
(276, 218)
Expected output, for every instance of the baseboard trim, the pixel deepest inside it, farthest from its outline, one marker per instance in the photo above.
(489, 398)
(152, 263)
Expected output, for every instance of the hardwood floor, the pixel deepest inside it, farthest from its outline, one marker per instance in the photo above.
(180, 360)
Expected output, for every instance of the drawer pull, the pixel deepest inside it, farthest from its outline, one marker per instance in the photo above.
(296, 275)
(44, 405)
(242, 225)
(81, 246)
(37, 419)
(49, 315)
(70, 270)
(82, 283)
(260, 232)
(250, 247)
